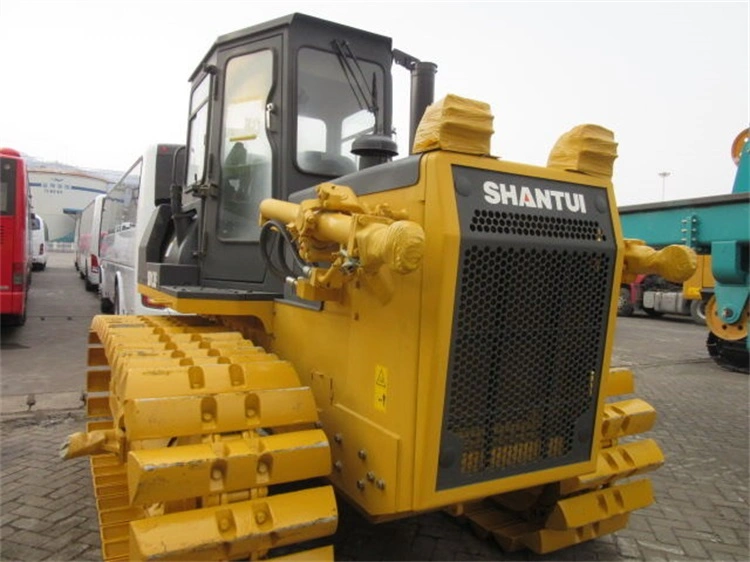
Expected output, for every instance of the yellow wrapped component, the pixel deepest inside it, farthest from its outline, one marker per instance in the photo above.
(588, 149)
(676, 263)
(457, 124)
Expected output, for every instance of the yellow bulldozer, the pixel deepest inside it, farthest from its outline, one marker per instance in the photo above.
(408, 335)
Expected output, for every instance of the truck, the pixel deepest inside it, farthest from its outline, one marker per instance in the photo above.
(407, 335)
(718, 229)
(655, 296)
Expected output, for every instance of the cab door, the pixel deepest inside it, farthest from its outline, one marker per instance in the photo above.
(246, 149)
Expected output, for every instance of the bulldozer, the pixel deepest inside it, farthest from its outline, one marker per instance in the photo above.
(432, 332)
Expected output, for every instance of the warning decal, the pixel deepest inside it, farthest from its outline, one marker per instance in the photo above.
(381, 387)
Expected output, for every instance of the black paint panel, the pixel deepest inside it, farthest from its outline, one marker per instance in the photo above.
(384, 177)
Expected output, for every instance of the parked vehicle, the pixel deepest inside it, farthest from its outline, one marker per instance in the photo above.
(716, 227)
(15, 237)
(656, 296)
(127, 208)
(39, 239)
(76, 245)
(87, 246)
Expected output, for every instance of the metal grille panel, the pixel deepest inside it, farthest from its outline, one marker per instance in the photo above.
(525, 370)
(502, 222)
(529, 332)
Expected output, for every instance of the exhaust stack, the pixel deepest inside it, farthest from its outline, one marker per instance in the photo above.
(422, 88)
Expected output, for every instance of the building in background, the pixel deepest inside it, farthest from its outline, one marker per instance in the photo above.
(57, 195)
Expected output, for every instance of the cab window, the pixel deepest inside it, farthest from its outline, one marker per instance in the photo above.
(198, 132)
(332, 108)
(246, 169)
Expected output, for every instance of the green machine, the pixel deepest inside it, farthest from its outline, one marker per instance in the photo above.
(718, 229)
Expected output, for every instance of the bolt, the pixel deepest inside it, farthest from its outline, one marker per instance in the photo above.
(362, 454)
(361, 484)
(207, 416)
(225, 524)
(338, 465)
(250, 413)
(262, 468)
(727, 312)
(380, 484)
(261, 517)
(371, 476)
(216, 474)
(338, 438)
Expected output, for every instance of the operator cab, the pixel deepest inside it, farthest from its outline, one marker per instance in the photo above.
(274, 109)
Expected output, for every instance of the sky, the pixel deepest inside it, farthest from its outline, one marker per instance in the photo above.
(92, 83)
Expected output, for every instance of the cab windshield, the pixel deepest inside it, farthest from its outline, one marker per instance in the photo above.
(337, 100)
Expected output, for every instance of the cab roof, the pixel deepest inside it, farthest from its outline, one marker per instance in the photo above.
(288, 21)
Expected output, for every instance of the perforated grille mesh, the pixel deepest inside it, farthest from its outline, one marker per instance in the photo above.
(503, 222)
(525, 357)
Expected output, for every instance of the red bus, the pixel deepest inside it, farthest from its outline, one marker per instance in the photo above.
(15, 238)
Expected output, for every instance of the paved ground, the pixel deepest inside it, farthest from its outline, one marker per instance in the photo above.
(47, 356)
(701, 513)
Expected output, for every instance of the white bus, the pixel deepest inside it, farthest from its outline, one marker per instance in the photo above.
(39, 239)
(128, 206)
(87, 244)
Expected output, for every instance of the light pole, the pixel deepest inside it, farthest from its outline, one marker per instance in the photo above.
(664, 176)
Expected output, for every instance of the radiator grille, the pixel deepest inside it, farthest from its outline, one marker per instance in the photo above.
(529, 330)
(524, 370)
(528, 338)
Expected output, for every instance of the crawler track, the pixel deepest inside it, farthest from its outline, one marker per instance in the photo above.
(197, 432)
(729, 355)
(564, 513)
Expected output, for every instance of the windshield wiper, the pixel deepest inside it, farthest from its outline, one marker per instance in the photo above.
(357, 80)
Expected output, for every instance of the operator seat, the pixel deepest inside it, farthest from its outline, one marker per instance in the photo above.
(325, 163)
